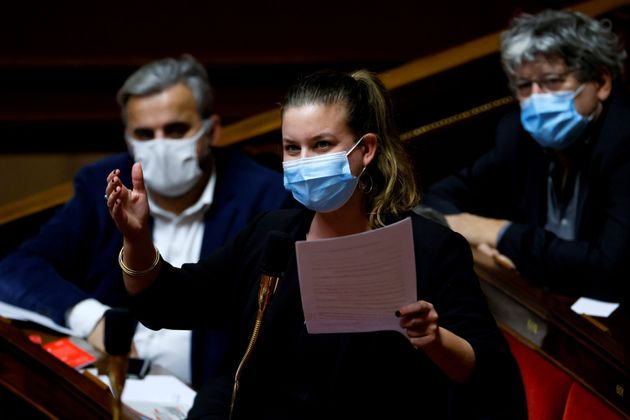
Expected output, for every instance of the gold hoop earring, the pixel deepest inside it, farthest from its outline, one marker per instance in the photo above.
(367, 184)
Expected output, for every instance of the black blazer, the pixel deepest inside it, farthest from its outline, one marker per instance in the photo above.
(510, 182)
(296, 375)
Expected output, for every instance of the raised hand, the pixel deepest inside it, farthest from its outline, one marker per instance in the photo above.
(128, 208)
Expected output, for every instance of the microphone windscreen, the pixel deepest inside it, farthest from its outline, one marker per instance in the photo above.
(276, 253)
(119, 330)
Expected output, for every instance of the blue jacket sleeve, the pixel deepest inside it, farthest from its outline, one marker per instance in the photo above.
(67, 261)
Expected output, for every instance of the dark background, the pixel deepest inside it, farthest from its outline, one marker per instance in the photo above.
(62, 62)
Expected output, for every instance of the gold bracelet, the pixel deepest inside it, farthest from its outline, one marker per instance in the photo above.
(135, 273)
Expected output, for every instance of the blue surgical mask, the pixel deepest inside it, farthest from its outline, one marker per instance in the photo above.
(321, 183)
(552, 120)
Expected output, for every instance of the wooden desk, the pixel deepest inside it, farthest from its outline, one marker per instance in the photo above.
(599, 359)
(35, 384)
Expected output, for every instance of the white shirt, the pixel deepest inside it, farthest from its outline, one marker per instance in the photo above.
(178, 238)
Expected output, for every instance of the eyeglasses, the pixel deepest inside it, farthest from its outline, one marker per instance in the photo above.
(549, 83)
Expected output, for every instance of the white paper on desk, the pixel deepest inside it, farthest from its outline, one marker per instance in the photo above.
(594, 307)
(17, 313)
(157, 396)
(355, 283)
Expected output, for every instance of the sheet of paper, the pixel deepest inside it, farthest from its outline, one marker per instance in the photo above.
(156, 396)
(14, 312)
(594, 307)
(355, 283)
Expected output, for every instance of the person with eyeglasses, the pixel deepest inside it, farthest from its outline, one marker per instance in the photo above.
(552, 198)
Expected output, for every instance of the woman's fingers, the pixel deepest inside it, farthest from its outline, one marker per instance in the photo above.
(420, 321)
(418, 307)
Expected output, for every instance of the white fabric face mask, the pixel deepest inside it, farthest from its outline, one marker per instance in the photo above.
(170, 166)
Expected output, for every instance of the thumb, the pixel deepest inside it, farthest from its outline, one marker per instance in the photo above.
(137, 179)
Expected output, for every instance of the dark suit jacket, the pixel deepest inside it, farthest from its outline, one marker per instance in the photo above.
(295, 375)
(510, 182)
(74, 256)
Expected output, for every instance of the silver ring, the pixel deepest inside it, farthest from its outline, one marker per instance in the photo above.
(106, 197)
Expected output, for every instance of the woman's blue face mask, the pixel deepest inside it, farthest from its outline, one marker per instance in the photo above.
(321, 183)
(552, 120)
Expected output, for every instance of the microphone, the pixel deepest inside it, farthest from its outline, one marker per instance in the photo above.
(119, 330)
(273, 263)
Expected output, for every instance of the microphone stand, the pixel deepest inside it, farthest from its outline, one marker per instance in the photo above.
(266, 289)
(119, 330)
(117, 373)
(274, 260)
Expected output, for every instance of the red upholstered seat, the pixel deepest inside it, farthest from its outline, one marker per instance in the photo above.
(546, 386)
(582, 404)
(551, 393)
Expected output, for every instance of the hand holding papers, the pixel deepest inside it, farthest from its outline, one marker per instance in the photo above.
(355, 283)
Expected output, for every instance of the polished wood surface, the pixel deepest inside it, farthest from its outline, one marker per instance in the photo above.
(43, 200)
(594, 351)
(35, 384)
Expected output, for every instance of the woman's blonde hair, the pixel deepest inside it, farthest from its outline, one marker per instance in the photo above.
(388, 182)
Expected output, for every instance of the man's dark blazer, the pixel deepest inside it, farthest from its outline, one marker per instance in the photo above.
(74, 256)
(510, 182)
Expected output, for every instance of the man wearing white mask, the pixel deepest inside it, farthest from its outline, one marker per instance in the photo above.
(199, 198)
(552, 198)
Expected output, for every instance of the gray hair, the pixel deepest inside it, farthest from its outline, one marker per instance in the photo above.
(586, 45)
(160, 75)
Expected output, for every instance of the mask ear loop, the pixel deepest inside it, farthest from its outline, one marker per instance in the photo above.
(595, 112)
(354, 146)
(579, 90)
(364, 168)
(362, 184)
